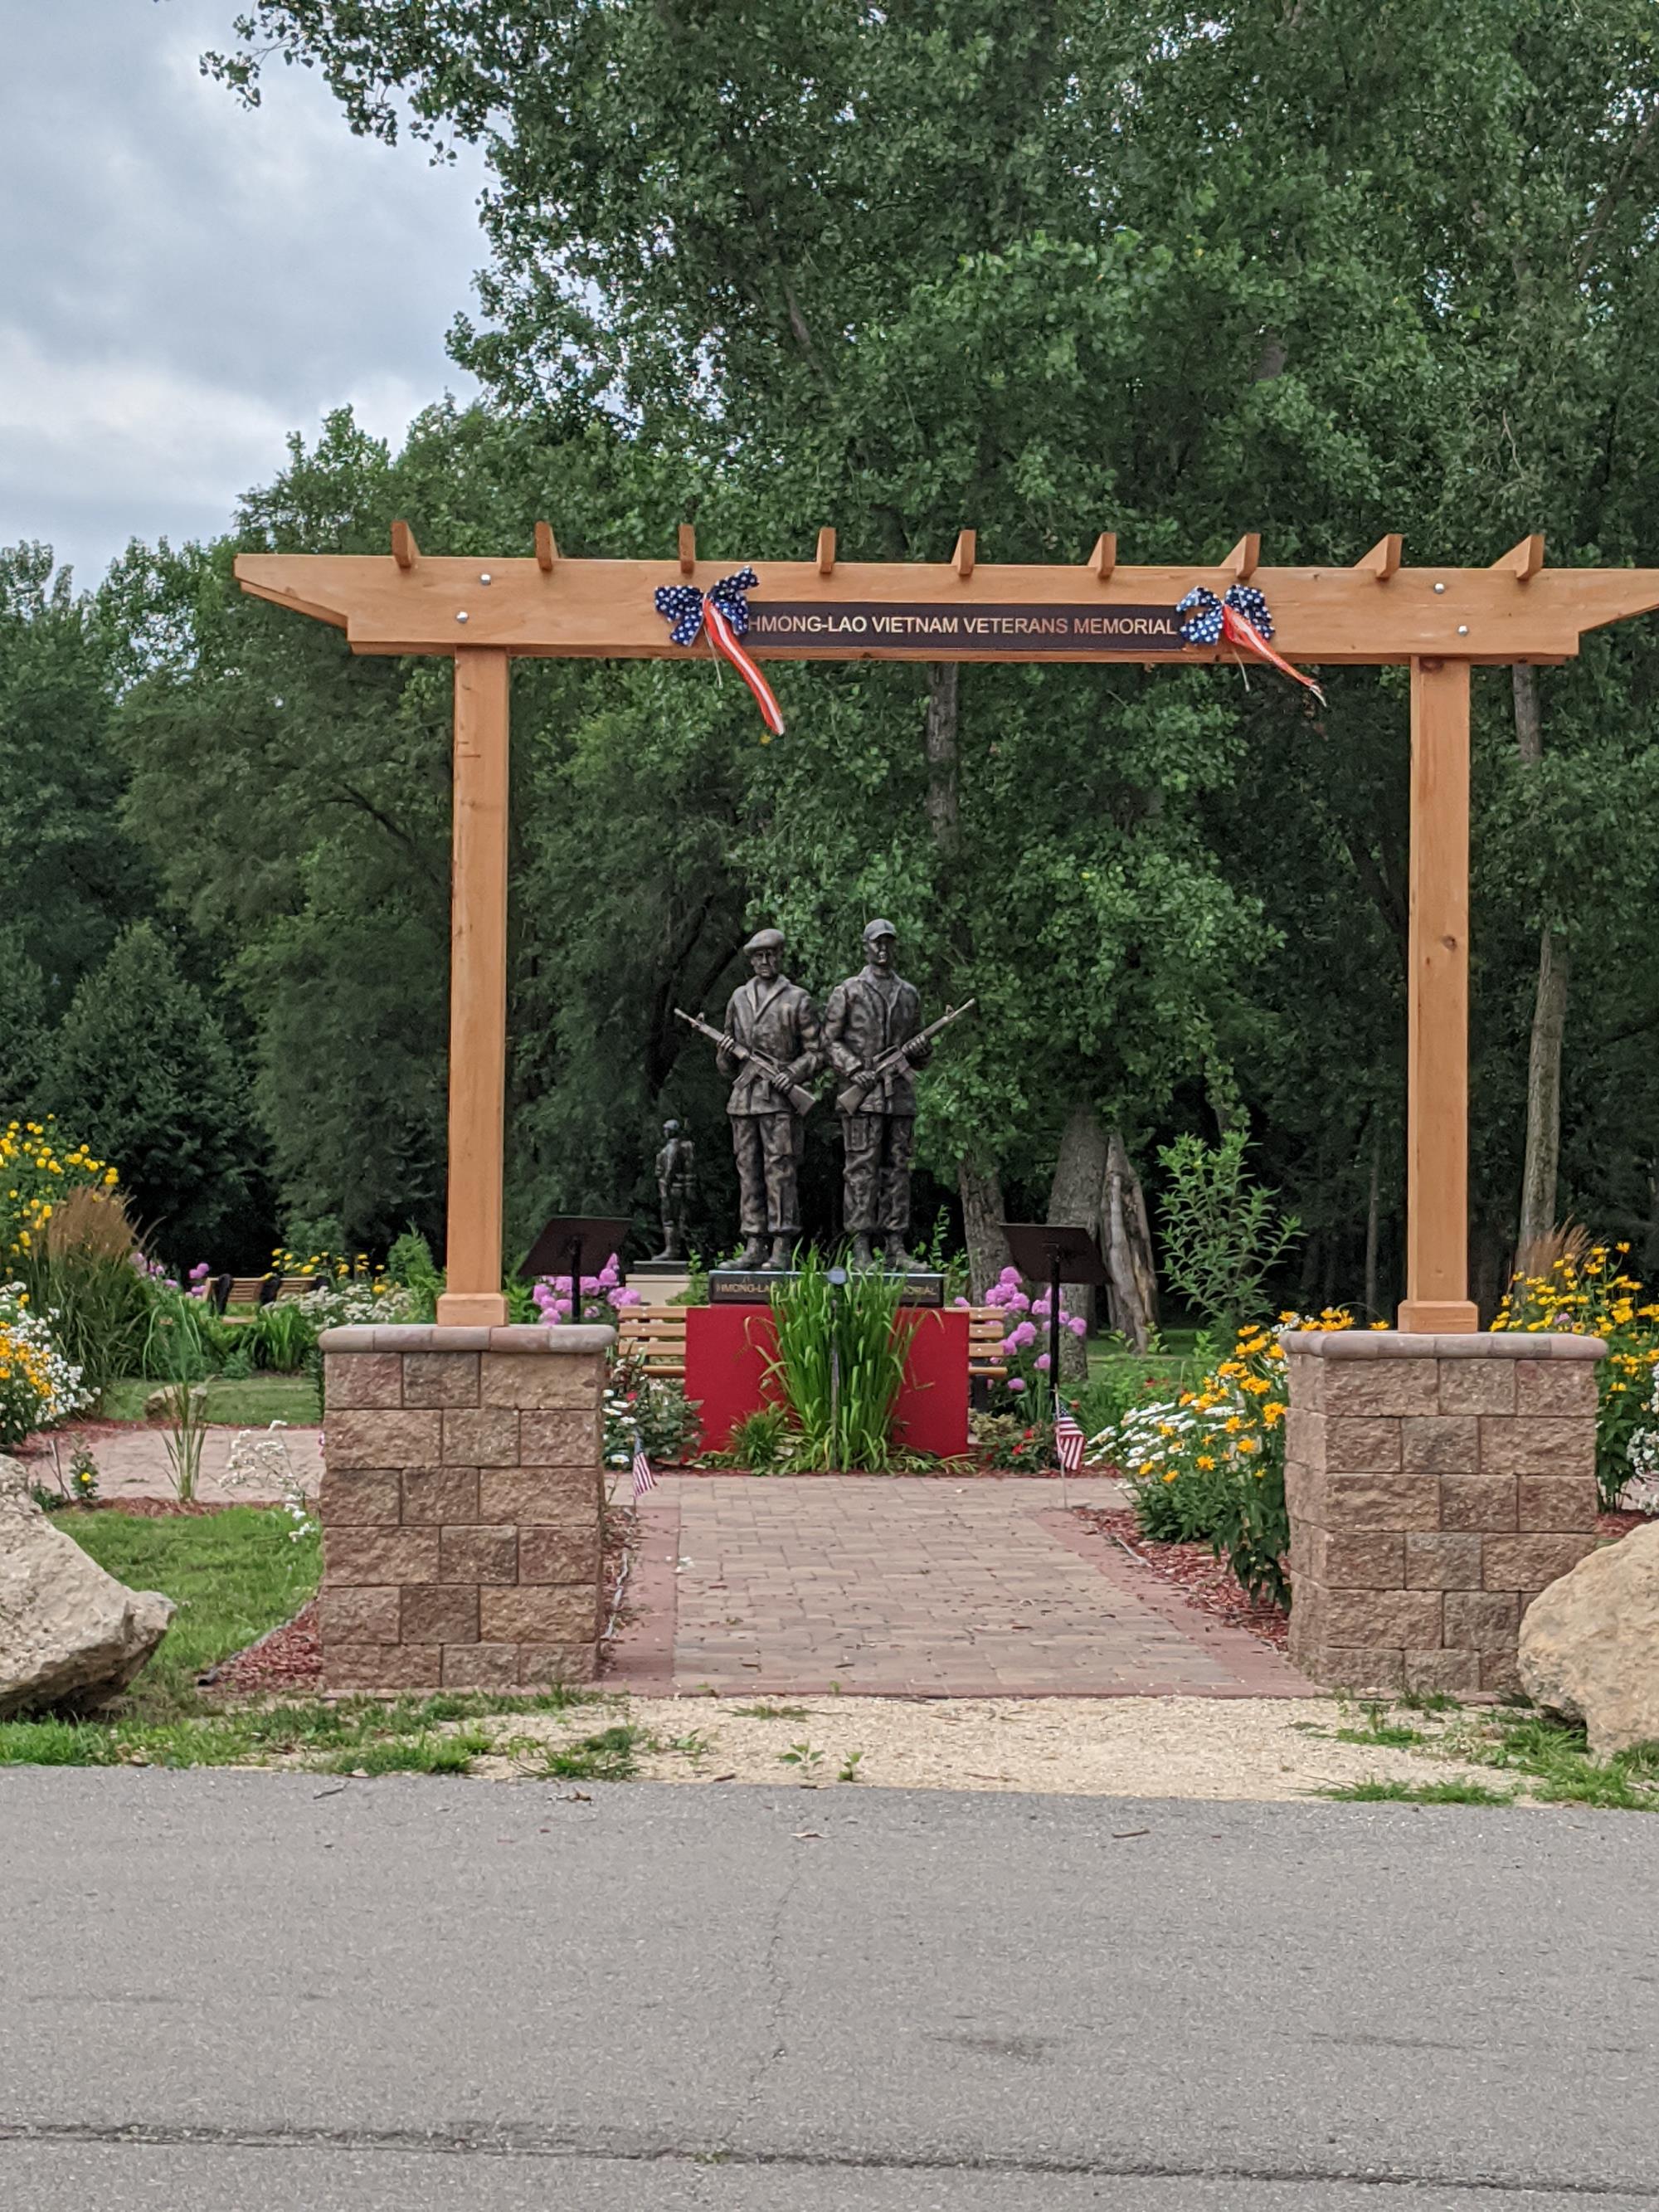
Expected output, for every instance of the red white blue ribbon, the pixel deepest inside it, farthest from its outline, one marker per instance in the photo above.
(1244, 620)
(723, 612)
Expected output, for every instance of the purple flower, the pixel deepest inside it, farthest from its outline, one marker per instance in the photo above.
(1039, 1308)
(1025, 1334)
(1015, 1383)
(1010, 1275)
(200, 1271)
(1042, 1362)
(1077, 1325)
(1007, 1348)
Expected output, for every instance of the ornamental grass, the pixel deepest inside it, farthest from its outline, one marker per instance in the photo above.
(840, 1363)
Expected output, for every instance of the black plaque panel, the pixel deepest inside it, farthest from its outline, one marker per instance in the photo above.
(753, 1286)
(960, 633)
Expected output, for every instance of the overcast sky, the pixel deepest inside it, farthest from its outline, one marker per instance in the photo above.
(183, 282)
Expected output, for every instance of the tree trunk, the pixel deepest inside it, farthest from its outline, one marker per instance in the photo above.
(1373, 1222)
(981, 1225)
(943, 801)
(1075, 1196)
(1127, 1240)
(1549, 1018)
(1549, 1022)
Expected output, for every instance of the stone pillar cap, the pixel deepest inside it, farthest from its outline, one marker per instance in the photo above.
(1393, 1344)
(564, 1342)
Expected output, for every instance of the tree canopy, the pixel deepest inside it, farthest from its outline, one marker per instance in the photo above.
(1322, 272)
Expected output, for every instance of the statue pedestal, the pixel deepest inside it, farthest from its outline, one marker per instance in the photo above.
(728, 1347)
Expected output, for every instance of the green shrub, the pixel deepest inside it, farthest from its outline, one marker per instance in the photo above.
(1222, 1235)
(280, 1337)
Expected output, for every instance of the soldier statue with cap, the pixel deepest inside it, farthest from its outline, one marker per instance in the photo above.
(769, 1047)
(875, 1018)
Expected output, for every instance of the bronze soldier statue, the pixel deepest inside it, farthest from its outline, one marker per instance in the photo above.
(770, 1047)
(675, 1165)
(874, 1015)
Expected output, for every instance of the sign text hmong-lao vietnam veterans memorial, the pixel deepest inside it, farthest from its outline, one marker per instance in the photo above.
(958, 632)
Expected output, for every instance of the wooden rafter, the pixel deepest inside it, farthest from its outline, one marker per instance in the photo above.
(688, 543)
(1525, 560)
(1384, 559)
(547, 548)
(1241, 562)
(404, 551)
(1103, 559)
(963, 559)
(826, 552)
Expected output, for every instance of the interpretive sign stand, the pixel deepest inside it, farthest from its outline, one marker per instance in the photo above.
(576, 1245)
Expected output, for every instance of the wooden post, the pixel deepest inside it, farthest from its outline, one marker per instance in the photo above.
(1437, 1300)
(478, 994)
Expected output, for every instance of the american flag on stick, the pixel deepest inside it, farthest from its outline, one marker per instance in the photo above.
(644, 1479)
(1068, 1439)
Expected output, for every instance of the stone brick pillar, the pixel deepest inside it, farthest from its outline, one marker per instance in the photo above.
(462, 1494)
(1436, 1485)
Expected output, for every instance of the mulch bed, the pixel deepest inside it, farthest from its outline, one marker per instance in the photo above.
(1610, 1525)
(1203, 1580)
(288, 1662)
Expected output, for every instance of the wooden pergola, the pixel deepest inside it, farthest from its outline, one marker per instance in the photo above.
(1442, 622)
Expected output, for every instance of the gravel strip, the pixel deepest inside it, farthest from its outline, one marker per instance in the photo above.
(1201, 1747)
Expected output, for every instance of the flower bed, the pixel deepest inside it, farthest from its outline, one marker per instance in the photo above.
(1208, 1465)
(38, 1386)
(1589, 1294)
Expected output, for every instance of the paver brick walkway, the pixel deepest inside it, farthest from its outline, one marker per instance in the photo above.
(913, 1587)
(132, 1460)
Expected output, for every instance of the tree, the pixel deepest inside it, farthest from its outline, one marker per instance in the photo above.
(140, 1067)
(72, 879)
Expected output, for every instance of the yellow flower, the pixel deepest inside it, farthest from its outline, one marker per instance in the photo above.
(1205, 1462)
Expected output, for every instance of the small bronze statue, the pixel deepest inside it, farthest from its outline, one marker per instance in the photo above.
(676, 1166)
(873, 1035)
(770, 1047)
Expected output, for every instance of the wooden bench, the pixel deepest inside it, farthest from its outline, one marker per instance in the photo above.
(246, 1290)
(656, 1334)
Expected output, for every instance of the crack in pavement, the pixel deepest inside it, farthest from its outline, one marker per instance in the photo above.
(544, 2143)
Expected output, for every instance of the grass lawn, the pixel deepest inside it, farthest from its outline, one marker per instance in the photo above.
(232, 1576)
(253, 1404)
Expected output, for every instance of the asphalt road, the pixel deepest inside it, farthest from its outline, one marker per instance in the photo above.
(237, 1992)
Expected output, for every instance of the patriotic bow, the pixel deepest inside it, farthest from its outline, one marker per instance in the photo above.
(723, 610)
(1242, 619)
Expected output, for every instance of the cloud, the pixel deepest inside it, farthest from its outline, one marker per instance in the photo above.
(188, 281)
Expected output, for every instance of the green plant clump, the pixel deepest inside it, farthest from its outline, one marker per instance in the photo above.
(841, 1350)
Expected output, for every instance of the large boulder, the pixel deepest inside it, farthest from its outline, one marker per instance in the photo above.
(68, 1631)
(1589, 1644)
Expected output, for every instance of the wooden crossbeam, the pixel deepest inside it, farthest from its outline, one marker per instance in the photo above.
(404, 551)
(1384, 559)
(1524, 559)
(687, 541)
(826, 552)
(547, 548)
(605, 609)
(1241, 563)
(1103, 559)
(963, 559)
